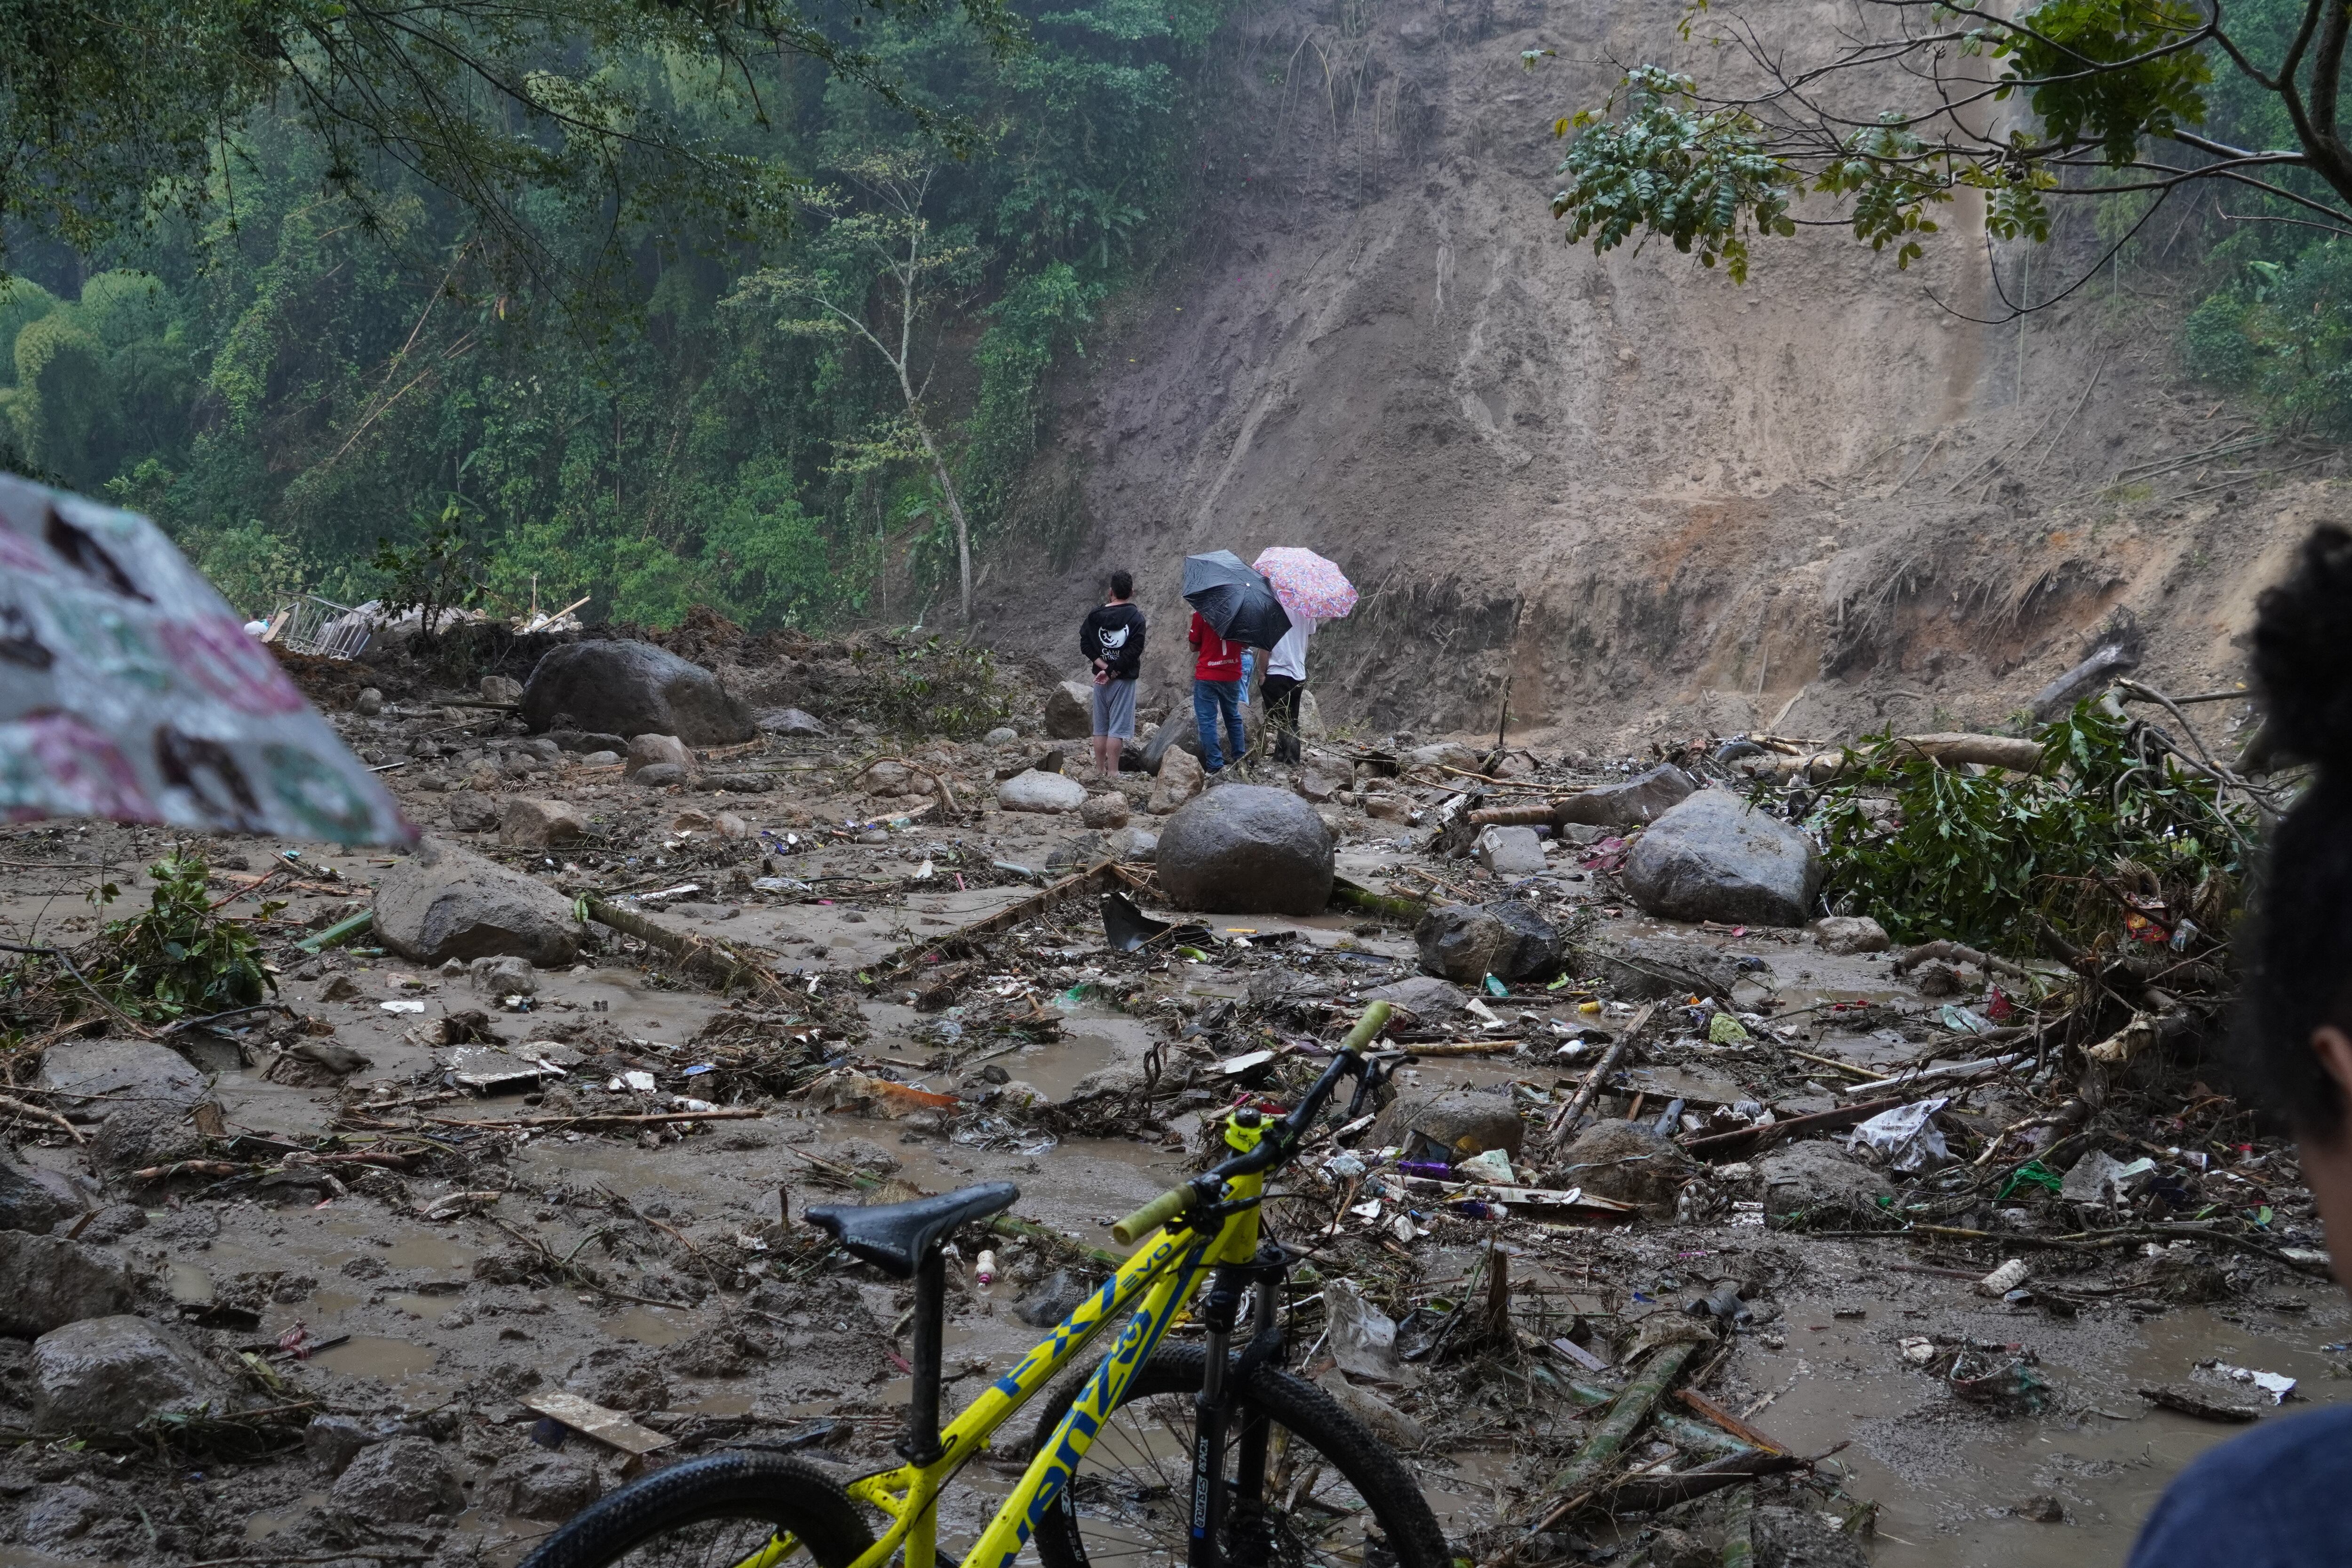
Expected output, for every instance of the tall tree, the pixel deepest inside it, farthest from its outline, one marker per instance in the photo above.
(2065, 98)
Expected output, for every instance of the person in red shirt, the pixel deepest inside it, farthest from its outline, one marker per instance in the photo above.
(1216, 689)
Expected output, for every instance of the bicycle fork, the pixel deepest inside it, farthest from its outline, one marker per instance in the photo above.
(1213, 1419)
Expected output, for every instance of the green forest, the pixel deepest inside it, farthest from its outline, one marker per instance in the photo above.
(636, 366)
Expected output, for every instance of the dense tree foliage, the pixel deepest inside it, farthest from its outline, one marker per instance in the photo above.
(304, 331)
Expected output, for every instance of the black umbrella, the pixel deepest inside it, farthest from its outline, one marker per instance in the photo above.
(1233, 599)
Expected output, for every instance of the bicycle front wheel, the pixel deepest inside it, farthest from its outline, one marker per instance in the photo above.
(1332, 1495)
(729, 1508)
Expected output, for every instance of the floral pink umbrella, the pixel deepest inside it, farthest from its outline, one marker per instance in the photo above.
(1310, 586)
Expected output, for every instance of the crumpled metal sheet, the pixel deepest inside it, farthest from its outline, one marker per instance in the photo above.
(130, 691)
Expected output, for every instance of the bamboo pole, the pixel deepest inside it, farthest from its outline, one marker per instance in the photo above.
(1624, 1419)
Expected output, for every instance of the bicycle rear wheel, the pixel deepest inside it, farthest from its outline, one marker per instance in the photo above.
(714, 1513)
(1334, 1495)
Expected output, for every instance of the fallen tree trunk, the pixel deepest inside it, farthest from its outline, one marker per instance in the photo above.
(1562, 1126)
(707, 959)
(1946, 749)
(1646, 1494)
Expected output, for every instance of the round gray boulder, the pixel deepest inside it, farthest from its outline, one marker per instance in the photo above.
(1716, 858)
(629, 688)
(1247, 850)
(444, 902)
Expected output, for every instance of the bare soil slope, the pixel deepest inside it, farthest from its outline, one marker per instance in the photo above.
(1648, 500)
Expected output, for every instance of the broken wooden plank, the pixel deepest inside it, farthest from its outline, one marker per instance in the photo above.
(607, 1426)
(1744, 1141)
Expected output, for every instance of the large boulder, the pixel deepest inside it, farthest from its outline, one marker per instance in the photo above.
(1509, 851)
(1424, 995)
(1070, 710)
(108, 1374)
(634, 689)
(1040, 792)
(1247, 851)
(1645, 797)
(1716, 858)
(398, 1481)
(1507, 940)
(53, 1282)
(1654, 968)
(1628, 1162)
(444, 902)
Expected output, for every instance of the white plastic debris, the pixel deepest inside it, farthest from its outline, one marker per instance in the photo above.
(2003, 1279)
(1906, 1139)
(1494, 1165)
(1344, 1166)
(402, 1005)
(1918, 1350)
(2278, 1386)
(2100, 1178)
(983, 1269)
(1369, 1209)
(642, 1082)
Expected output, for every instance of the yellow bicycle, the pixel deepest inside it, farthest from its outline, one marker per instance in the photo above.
(1206, 1457)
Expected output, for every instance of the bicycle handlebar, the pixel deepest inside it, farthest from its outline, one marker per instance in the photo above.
(1280, 1142)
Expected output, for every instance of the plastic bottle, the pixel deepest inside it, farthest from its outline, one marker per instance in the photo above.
(984, 1269)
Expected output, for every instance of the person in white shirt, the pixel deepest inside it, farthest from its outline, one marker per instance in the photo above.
(1285, 678)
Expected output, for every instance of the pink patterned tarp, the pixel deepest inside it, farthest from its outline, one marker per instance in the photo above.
(130, 690)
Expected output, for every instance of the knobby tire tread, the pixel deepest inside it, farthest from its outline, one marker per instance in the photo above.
(779, 1488)
(1370, 1466)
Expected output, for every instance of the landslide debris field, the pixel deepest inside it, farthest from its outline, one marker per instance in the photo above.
(1694, 1219)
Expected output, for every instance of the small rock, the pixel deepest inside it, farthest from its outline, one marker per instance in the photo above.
(502, 689)
(368, 703)
(634, 689)
(60, 1514)
(791, 721)
(1716, 858)
(140, 1133)
(1509, 851)
(334, 1441)
(1002, 735)
(1070, 710)
(1040, 792)
(1104, 811)
(53, 1282)
(739, 783)
(1136, 845)
(537, 1484)
(1642, 799)
(1844, 935)
(690, 821)
(1314, 786)
(1389, 807)
(599, 759)
(1424, 995)
(505, 975)
(398, 1481)
(1047, 1304)
(1180, 778)
(1246, 849)
(658, 775)
(1936, 979)
(1455, 1122)
(1430, 761)
(1508, 939)
(108, 1374)
(2042, 1509)
(656, 751)
(538, 823)
(472, 812)
(444, 902)
(341, 988)
(25, 1205)
(104, 1075)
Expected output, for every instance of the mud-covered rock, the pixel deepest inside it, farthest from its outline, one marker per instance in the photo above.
(1716, 858)
(444, 902)
(1508, 939)
(1070, 710)
(529, 824)
(1818, 1181)
(1422, 995)
(1453, 1124)
(1627, 1162)
(658, 775)
(1051, 1299)
(25, 1203)
(472, 812)
(657, 751)
(1844, 935)
(790, 723)
(538, 1484)
(143, 1133)
(101, 1077)
(108, 1374)
(399, 1481)
(620, 1380)
(1650, 969)
(1108, 810)
(1641, 799)
(1246, 849)
(634, 689)
(1040, 792)
(52, 1281)
(60, 1514)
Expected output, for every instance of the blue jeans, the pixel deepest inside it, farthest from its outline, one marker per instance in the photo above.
(1211, 698)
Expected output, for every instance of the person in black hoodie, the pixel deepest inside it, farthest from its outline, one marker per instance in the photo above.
(1111, 637)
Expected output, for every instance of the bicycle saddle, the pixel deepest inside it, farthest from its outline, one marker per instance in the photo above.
(895, 1238)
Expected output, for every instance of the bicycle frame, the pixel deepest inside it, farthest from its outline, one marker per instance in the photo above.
(1157, 1282)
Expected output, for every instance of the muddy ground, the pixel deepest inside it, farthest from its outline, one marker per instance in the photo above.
(507, 1249)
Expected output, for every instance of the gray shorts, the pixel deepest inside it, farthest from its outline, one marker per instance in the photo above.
(1114, 708)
